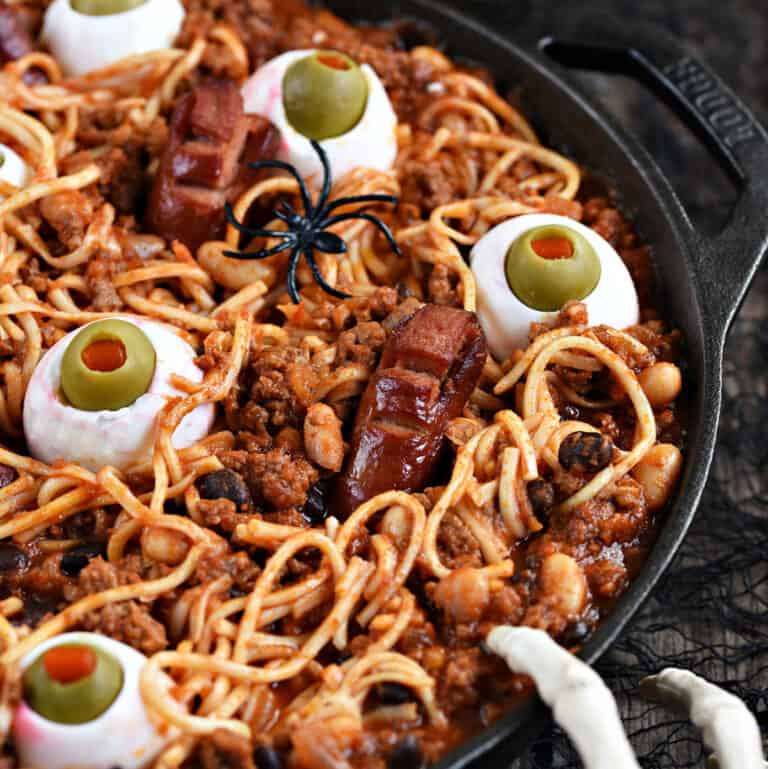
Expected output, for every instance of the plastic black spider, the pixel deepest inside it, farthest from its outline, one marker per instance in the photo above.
(307, 232)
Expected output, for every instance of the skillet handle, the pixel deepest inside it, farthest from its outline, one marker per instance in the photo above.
(728, 261)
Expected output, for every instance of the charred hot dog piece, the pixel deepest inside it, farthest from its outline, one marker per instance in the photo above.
(428, 370)
(205, 163)
(15, 40)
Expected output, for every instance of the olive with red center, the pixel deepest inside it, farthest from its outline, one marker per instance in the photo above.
(551, 265)
(324, 95)
(72, 683)
(107, 366)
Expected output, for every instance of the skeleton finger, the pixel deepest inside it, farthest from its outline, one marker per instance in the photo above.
(581, 703)
(726, 724)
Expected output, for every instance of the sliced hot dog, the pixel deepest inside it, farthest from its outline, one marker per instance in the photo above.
(205, 163)
(428, 370)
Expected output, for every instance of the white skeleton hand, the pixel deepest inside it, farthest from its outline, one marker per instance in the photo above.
(584, 707)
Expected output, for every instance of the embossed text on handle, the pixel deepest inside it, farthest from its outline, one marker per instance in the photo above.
(725, 117)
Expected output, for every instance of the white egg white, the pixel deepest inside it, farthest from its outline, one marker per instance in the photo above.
(122, 736)
(13, 169)
(506, 321)
(82, 43)
(372, 143)
(93, 439)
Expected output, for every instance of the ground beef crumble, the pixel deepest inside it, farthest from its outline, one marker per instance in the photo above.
(277, 479)
(127, 621)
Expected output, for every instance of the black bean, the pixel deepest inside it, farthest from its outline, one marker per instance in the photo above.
(12, 558)
(406, 754)
(585, 452)
(266, 757)
(314, 509)
(571, 412)
(7, 476)
(392, 693)
(575, 633)
(403, 291)
(411, 34)
(541, 494)
(224, 484)
(75, 560)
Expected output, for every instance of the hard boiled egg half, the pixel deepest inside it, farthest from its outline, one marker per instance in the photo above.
(529, 267)
(326, 96)
(95, 396)
(86, 35)
(82, 706)
(13, 169)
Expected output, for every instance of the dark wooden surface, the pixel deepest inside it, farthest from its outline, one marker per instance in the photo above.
(717, 624)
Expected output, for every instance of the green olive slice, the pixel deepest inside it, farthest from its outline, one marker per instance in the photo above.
(551, 265)
(2, 158)
(105, 7)
(107, 366)
(324, 95)
(71, 690)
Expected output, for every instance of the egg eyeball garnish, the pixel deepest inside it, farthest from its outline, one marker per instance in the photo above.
(95, 396)
(13, 169)
(527, 268)
(325, 96)
(81, 706)
(87, 35)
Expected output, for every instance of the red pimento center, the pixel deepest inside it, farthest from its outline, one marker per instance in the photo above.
(333, 61)
(67, 664)
(104, 355)
(553, 248)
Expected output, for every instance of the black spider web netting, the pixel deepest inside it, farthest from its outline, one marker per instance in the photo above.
(710, 611)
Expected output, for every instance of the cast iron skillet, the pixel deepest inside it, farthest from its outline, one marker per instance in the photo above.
(703, 279)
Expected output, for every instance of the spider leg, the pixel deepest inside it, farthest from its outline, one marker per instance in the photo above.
(368, 218)
(252, 231)
(282, 216)
(286, 209)
(286, 213)
(305, 199)
(326, 190)
(309, 255)
(293, 264)
(339, 202)
(262, 253)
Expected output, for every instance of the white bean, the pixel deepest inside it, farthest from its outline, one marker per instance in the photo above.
(164, 546)
(395, 524)
(322, 437)
(562, 581)
(463, 595)
(232, 273)
(661, 383)
(657, 472)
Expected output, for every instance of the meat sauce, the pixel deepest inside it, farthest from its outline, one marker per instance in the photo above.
(422, 362)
